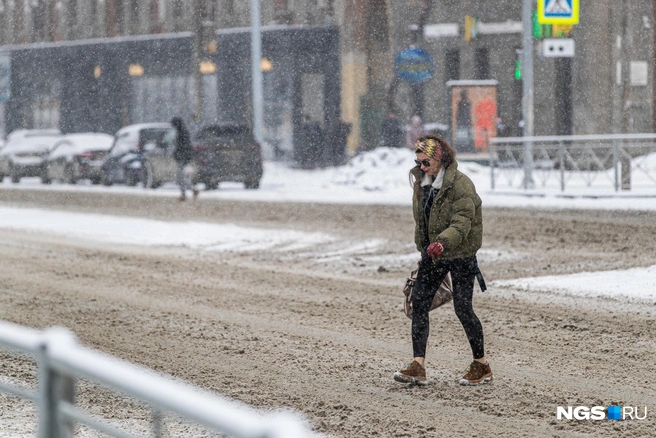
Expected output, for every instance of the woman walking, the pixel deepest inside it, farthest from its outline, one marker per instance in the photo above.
(448, 233)
(183, 154)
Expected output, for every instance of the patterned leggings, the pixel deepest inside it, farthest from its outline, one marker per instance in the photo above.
(430, 276)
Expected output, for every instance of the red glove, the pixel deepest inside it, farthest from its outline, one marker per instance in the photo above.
(435, 249)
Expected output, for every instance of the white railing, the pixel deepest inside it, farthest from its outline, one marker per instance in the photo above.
(61, 361)
(617, 161)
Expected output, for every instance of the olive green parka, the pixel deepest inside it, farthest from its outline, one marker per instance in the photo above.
(455, 217)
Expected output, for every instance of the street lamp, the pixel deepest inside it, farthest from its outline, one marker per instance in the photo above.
(256, 70)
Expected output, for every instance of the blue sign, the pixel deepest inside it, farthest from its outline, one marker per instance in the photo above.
(558, 11)
(5, 78)
(414, 65)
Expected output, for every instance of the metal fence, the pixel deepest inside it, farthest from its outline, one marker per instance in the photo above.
(617, 161)
(61, 361)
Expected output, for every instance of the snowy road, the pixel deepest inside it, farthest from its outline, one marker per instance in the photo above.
(299, 305)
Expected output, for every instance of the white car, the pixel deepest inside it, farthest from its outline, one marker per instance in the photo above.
(75, 157)
(23, 155)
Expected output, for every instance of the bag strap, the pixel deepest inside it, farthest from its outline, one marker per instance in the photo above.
(479, 275)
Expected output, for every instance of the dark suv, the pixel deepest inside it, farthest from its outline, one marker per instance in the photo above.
(227, 153)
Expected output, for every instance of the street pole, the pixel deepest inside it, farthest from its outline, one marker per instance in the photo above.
(197, 75)
(527, 89)
(256, 72)
(625, 101)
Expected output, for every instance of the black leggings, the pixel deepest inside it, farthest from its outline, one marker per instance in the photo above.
(430, 276)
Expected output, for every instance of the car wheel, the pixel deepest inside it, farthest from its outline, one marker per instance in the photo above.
(147, 174)
(130, 179)
(45, 178)
(70, 174)
(104, 179)
(252, 184)
(96, 180)
(15, 177)
(211, 185)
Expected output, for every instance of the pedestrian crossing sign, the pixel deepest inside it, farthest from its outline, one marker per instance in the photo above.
(558, 11)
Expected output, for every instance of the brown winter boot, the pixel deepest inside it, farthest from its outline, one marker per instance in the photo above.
(477, 374)
(414, 373)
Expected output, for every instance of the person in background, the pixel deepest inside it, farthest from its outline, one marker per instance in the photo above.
(309, 145)
(182, 155)
(391, 131)
(415, 131)
(335, 149)
(448, 233)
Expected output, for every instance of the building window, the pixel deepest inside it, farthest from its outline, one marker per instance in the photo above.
(71, 14)
(114, 17)
(156, 24)
(120, 17)
(482, 63)
(178, 15)
(452, 65)
(40, 20)
(134, 17)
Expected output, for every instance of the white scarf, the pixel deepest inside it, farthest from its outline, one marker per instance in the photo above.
(436, 183)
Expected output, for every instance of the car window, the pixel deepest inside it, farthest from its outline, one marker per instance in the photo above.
(169, 138)
(152, 134)
(61, 149)
(214, 131)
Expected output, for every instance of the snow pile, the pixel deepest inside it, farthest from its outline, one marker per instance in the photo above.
(636, 283)
(387, 168)
(376, 170)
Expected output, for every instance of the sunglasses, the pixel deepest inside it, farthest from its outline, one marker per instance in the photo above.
(425, 163)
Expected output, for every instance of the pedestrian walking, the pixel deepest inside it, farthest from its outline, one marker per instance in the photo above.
(415, 131)
(448, 233)
(335, 148)
(183, 155)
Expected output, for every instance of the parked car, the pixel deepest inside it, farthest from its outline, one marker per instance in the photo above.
(227, 153)
(158, 165)
(123, 163)
(22, 133)
(24, 155)
(75, 157)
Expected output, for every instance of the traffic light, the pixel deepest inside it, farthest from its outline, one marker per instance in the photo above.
(518, 64)
(540, 30)
(562, 30)
(471, 28)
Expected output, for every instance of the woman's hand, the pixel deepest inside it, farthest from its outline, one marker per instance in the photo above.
(435, 249)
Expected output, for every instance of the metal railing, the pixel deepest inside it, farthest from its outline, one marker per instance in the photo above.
(61, 361)
(620, 161)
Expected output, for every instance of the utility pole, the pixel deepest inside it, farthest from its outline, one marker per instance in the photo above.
(198, 50)
(256, 71)
(625, 101)
(527, 89)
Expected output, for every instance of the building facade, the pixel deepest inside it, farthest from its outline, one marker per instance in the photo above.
(606, 87)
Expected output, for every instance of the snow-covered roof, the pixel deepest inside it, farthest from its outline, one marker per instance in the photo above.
(119, 39)
(139, 126)
(32, 133)
(73, 144)
(88, 137)
(32, 143)
(269, 28)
